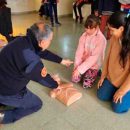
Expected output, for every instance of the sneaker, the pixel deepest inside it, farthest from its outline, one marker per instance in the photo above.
(76, 19)
(81, 19)
(58, 24)
(52, 24)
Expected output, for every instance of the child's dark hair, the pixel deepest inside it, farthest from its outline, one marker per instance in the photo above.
(117, 20)
(3, 3)
(92, 21)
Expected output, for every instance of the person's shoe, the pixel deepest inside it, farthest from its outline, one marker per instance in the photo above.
(52, 24)
(57, 24)
(81, 20)
(76, 19)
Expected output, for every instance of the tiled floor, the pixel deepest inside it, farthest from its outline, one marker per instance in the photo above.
(86, 114)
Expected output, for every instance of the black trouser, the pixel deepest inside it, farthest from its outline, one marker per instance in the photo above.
(94, 6)
(79, 9)
(53, 7)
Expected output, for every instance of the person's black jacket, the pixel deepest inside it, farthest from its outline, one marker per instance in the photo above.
(5, 21)
(108, 6)
(20, 62)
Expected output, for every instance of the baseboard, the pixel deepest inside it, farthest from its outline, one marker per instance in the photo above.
(26, 12)
(30, 12)
(65, 15)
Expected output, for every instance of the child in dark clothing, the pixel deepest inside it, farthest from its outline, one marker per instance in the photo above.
(106, 8)
(53, 8)
(44, 9)
(5, 21)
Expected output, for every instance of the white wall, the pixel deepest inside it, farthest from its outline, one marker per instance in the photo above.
(18, 6)
(65, 7)
(21, 6)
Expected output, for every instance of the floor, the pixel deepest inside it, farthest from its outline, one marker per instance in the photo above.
(88, 113)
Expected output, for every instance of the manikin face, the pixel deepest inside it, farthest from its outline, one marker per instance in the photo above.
(44, 44)
(116, 32)
(90, 31)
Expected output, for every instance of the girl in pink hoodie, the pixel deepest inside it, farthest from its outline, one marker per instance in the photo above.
(90, 53)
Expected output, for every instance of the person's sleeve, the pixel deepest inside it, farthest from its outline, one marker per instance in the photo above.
(48, 55)
(9, 21)
(93, 58)
(33, 72)
(79, 52)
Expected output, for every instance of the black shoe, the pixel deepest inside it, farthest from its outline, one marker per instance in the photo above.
(81, 19)
(58, 24)
(52, 24)
(76, 19)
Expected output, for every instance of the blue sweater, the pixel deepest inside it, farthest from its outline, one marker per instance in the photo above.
(20, 62)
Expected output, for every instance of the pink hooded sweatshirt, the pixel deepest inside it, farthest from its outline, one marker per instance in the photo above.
(90, 52)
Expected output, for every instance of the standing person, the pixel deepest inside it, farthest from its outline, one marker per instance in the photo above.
(44, 10)
(114, 85)
(125, 6)
(105, 9)
(5, 21)
(90, 53)
(78, 5)
(19, 63)
(53, 9)
(94, 7)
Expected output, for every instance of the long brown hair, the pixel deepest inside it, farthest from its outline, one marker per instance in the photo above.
(117, 20)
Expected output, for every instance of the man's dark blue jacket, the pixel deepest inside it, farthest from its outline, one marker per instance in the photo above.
(20, 62)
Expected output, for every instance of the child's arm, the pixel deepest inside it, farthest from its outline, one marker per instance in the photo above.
(79, 51)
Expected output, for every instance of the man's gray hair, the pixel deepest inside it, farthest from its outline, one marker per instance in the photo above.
(41, 34)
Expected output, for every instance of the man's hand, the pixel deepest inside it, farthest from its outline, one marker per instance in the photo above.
(66, 62)
(44, 72)
(56, 78)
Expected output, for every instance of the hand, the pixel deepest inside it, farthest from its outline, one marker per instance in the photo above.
(56, 78)
(100, 82)
(76, 74)
(55, 92)
(66, 62)
(44, 72)
(118, 96)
